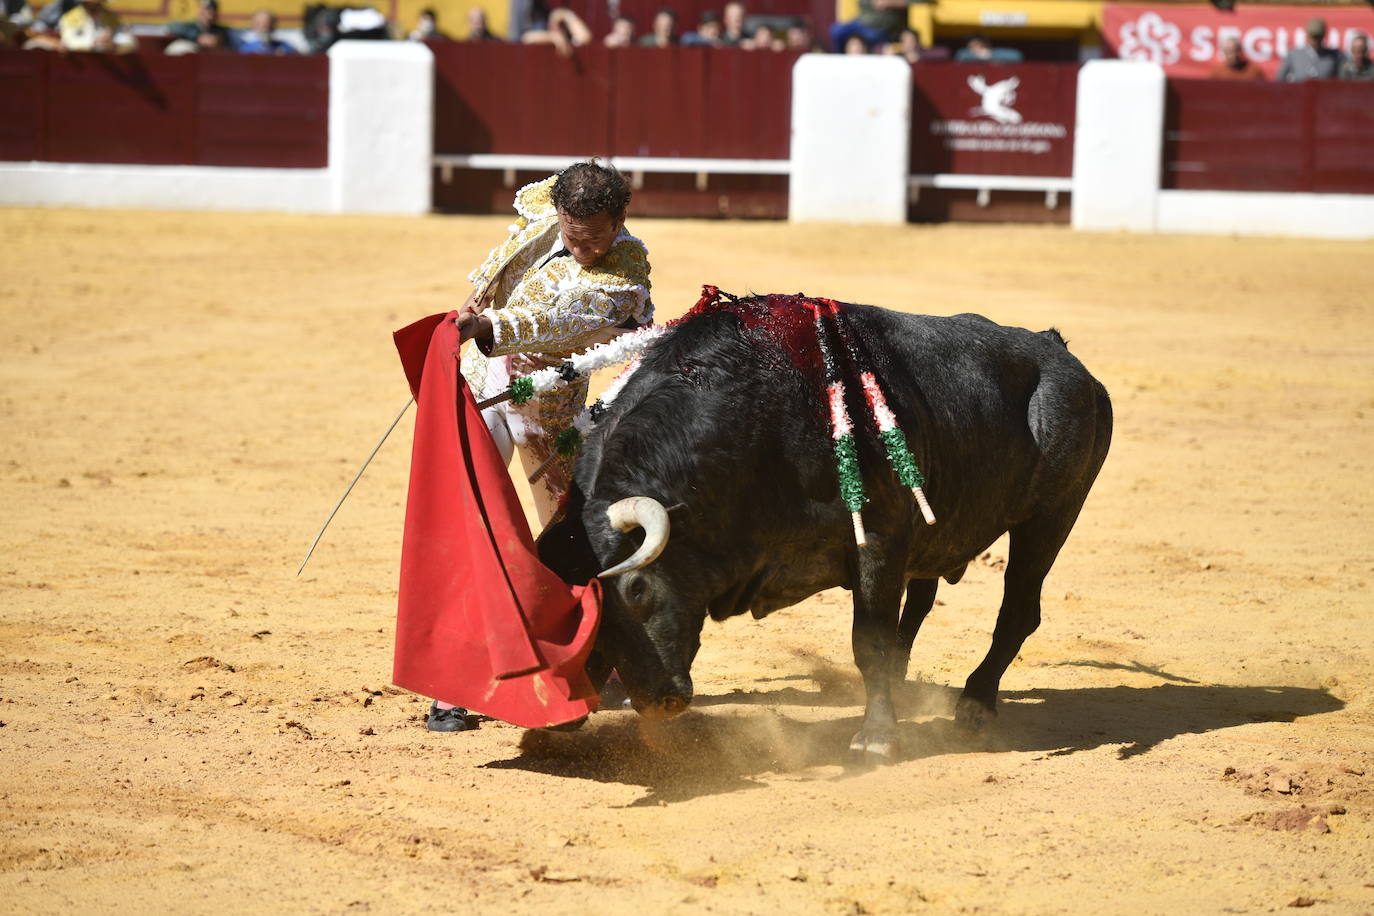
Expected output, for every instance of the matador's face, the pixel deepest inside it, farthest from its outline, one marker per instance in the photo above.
(589, 239)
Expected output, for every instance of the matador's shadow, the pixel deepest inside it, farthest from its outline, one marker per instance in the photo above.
(719, 751)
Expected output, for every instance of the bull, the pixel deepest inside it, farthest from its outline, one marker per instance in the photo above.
(709, 488)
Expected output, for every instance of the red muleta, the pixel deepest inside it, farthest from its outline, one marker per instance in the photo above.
(481, 623)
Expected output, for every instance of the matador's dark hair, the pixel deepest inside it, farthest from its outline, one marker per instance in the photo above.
(585, 189)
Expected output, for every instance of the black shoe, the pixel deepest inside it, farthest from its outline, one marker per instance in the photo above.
(447, 720)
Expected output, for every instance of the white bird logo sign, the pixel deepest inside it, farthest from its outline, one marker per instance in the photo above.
(997, 99)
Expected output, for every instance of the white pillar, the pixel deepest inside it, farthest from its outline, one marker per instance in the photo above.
(851, 136)
(381, 126)
(1118, 145)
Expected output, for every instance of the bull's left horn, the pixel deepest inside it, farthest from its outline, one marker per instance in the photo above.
(639, 512)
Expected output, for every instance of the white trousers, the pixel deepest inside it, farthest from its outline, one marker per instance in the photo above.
(499, 422)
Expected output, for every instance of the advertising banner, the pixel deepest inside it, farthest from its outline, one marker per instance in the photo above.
(993, 119)
(1186, 39)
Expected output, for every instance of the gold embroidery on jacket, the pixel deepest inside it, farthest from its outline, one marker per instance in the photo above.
(543, 314)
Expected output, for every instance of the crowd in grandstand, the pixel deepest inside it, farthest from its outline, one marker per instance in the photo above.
(1314, 60)
(880, 28)
(90, 25)
(731, 27)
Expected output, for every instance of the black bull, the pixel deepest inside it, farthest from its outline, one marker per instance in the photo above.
(725, 428)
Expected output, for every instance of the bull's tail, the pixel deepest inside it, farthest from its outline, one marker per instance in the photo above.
(1054, 335)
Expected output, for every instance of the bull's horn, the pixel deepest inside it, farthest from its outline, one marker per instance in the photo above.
(639, 512)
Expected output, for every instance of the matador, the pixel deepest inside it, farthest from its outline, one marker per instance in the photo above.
(568, 277)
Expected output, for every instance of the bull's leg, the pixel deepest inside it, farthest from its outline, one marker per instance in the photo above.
(920, 598)
(876, 602)
(1034, 546)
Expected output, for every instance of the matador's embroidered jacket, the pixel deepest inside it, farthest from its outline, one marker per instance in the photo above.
(561, 307)
(541, 313)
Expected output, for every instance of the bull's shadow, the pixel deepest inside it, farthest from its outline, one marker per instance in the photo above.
(710, 753)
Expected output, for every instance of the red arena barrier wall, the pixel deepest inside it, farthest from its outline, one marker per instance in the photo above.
(1230, 136)
(130, 108)
(650, 81)
(669, 103)
(748, 104)
(23, 106)
(504, 98)
(992, 119)
(258, 110)
(999, 119)
(150, 109)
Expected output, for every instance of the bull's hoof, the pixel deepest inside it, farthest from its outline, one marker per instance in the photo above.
(973, 716)
(874, 746)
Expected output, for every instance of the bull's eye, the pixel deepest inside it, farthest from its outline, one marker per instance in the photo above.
(636, 588)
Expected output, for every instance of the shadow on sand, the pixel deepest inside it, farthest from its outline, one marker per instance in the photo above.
(718, 752)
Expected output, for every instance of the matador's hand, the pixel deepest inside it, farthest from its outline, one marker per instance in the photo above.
(473, 326)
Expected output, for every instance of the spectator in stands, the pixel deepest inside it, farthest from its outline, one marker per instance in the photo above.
(763, 39)
(204, 33)
(1358, 66)
(622, 33)
(980, 50)
(708, 31)
(261, 38)
(14, 16)
(427, 27)
(908, 46)
(799, 37)
(1312, 61)
(564, 29)
(477, 26)
(879, 23)
(42, 30)
(528, 16)
(9, 33)
(663, 32)
(732, 22)
(50, 15)
(855, 44)
(89, 26)
(1234, 64)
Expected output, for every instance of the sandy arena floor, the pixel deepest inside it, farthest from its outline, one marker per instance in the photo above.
(189, 729)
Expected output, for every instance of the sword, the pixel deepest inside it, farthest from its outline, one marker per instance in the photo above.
(481, 405)
(356, 478)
